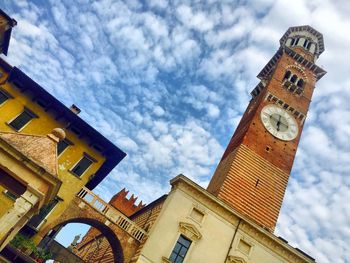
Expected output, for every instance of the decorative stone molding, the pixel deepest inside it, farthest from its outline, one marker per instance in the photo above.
(190, 231)
(233, 259)
(300, 70)
(245, 246)
(206, 198)
(271, 244)
(197, 214)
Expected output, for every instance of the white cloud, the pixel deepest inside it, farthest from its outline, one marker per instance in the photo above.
(195, 20)
(158, 111)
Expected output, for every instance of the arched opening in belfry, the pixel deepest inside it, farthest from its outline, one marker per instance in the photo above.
(101, 242)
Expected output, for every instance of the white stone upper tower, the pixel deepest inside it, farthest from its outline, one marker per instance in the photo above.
(304, 39)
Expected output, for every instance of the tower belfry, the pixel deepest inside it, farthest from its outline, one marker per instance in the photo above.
(253, 172)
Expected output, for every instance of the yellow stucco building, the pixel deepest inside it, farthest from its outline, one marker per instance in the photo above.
(78, 155)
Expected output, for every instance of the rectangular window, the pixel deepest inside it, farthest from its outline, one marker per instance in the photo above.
(36, 220)
(21, 120)
(82, 166)
(10, 195)
(62, 145)
(180, 250)
(3, 96)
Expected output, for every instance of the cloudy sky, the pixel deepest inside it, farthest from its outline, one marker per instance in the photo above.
(168, 82)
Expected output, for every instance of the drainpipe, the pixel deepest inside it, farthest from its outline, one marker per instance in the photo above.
(233, 238)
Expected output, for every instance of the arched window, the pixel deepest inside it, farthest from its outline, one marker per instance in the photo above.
(287, 75)
(300, 83)
(294, 79)
(292, 42)
(308, 45)
(297, 41)
(306, 42)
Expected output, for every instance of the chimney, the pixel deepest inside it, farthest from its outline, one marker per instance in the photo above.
(75, 109)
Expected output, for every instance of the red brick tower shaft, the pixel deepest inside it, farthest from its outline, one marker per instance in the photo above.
(253, 173)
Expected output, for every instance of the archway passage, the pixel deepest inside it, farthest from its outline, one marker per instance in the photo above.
(59, 254)
(123, 234)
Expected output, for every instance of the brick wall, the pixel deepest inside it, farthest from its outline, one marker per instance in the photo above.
(253, 173)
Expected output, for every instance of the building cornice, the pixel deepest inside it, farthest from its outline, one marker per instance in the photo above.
(270, 66)
(266, 238)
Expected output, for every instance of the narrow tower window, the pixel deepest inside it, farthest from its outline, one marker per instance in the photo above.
(287, 75)
(294, 79)
(308, 45)
(292, 42)
(300, 83)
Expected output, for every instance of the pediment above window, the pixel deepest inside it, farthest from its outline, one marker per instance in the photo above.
(190, 231)
(232, 259)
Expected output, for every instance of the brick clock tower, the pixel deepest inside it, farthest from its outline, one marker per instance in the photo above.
(253, 173)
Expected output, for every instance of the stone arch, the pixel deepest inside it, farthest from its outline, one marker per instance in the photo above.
(80, 211)
(299, 70)
(107, 232)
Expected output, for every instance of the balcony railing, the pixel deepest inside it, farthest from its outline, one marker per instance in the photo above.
(112, 214)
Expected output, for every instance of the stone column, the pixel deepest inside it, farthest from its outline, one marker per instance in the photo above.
(301, 41)
(313, 48)
(289, 40)
(16, 217)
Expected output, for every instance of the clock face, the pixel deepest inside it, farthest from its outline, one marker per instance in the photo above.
(279, 122)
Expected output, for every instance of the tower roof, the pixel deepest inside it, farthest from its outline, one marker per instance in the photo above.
(304, 28)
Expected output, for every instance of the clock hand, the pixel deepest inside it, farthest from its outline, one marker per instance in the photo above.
(278, 123)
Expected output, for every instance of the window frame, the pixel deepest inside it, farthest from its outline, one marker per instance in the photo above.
(69, 143)
(294, 79)
(25, 110)
(6, 94)
(54, 205)
(287, 75)
(10, 195)
(179, 250)
(85, 155)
